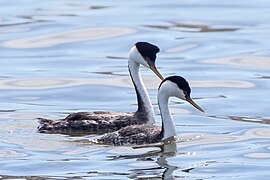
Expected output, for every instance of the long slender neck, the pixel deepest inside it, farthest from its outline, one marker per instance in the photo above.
(168, 129)
(143, 100)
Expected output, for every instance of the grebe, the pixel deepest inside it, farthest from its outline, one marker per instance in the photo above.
(142, 53)
(175, 86)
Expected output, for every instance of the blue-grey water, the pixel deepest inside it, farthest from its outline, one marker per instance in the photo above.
(63, 56)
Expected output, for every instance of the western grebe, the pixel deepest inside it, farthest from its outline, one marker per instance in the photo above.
(142, 53)
(175, 86)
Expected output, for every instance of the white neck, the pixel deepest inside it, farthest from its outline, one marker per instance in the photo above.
(143, 100)
(168, 128)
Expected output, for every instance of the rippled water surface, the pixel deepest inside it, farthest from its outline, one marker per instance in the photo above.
(58, 57)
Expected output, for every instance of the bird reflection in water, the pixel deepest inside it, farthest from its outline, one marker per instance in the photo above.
(166, 150)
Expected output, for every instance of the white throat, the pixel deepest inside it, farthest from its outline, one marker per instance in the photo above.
(142, 96)
(168, 128)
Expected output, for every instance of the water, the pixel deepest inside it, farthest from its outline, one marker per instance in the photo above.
(59, 57)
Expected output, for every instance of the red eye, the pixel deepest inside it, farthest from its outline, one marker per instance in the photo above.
(186, 94)
(147, 59)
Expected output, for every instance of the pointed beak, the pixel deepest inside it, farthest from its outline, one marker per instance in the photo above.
(194, 104)
(154, 69)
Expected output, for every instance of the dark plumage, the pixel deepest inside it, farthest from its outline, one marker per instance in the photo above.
(147, 50)
(135, 134)
(142, 53)
(91, 122)
(173, 86)
(180, 81)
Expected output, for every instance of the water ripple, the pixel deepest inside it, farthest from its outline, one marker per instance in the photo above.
(193, 27)
(153, 82)
(244, 61)
(77, 35)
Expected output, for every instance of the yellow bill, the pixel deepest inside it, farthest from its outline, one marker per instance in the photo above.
(194, 104)
(154, 69)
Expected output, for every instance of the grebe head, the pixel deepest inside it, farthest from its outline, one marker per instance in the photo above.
(145, 54)
(178, 87)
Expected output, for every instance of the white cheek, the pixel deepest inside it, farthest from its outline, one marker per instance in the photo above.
(181, 95)
(141, 60)
(171, 89)
(137, 57)
(177, 92)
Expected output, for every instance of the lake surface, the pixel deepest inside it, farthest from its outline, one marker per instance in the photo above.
(58, 57)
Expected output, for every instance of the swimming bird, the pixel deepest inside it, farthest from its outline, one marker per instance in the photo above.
(173, 86)
(142, 53)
